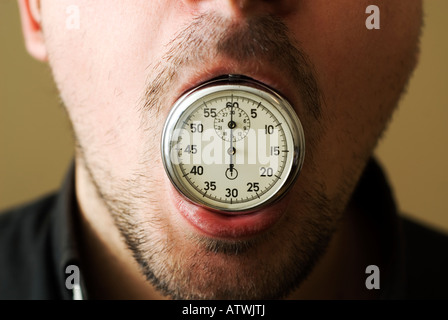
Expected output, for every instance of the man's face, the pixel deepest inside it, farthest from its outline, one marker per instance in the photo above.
(122, 70)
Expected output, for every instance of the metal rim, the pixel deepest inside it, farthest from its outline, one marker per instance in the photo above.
(235, 83)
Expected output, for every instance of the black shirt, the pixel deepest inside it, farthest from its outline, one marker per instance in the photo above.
(38, 242)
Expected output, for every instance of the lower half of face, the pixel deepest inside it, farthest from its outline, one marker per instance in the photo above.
(119, 86)
(184, 262)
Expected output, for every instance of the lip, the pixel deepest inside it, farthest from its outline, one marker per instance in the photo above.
(260, 71)
(221, 225)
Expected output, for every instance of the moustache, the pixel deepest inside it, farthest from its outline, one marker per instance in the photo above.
(263, 39)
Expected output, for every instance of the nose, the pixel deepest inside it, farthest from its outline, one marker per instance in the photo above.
(242, 8)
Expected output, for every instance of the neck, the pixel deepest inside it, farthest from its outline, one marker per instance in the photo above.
(109, 268)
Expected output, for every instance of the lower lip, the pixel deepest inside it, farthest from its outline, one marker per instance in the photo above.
(225, 226)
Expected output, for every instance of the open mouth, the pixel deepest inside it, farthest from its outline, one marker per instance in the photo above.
(231, 199)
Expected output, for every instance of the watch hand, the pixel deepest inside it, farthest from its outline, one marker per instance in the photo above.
(232, 151)
(231, 112)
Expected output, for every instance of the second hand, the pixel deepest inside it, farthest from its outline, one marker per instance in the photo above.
(232, 151)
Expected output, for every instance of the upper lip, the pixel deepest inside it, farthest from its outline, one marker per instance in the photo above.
(260, 71)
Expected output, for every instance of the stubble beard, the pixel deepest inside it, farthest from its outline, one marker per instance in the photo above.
(185, 265)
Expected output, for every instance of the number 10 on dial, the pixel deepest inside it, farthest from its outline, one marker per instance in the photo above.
(232, 144)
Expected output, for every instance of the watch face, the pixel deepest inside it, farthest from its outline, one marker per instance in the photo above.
(232, 144)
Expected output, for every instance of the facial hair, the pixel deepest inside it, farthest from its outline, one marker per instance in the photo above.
(184, 265)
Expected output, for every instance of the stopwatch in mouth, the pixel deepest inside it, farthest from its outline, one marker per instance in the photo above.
(232, 144)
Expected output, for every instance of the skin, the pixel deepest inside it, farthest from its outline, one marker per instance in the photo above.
(106, 72)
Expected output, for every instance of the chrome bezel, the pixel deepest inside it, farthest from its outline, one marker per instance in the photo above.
(241, 84)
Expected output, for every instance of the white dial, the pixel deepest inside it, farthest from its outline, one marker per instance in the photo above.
(232, 144)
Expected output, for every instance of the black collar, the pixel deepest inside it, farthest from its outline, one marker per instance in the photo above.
(65, 230)
(374, 198)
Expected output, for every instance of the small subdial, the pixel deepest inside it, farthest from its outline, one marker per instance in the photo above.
(232, 123)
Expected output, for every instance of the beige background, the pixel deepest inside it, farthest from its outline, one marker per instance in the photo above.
(36, 141)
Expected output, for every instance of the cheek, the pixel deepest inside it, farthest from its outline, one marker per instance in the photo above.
(361, 73)
(101, 71)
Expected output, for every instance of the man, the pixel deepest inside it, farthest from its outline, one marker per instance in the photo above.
(117, 218)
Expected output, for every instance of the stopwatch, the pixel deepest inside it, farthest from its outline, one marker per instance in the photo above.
(232, 144)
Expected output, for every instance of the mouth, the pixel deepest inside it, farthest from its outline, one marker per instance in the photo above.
(219, 224)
